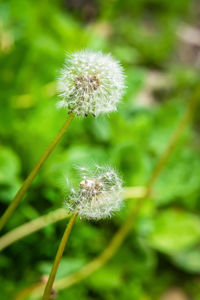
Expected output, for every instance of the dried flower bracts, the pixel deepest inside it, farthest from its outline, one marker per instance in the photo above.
(90, 83)
(98, 196)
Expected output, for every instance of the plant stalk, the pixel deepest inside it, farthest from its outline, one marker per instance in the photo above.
(25, 186)
(32, 226)
(49, 285)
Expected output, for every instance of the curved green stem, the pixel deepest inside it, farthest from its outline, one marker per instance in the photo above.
(11, 208)
(31, 227)
(24, 293)
(48, 288)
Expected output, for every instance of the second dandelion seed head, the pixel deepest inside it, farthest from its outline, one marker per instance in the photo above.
(90, 83)
(98, 195)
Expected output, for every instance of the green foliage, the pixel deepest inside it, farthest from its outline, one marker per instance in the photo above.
(66, 267)
(174, 231)
(162, 250)
(9, 173)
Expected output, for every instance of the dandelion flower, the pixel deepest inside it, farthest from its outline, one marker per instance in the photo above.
(99, 194)
(90, 83)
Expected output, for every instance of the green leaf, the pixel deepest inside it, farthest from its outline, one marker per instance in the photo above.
(9, 169)
(174, 231)
(67, 266)
(177, 181)
(9, 165)
(188, 260)
(105, 278)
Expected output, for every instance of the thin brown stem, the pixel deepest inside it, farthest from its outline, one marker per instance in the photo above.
(25, 186)
(49, 285)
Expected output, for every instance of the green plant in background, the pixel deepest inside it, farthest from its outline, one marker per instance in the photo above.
(158, 44)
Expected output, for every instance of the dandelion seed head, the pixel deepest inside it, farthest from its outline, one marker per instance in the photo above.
(90, 83)
(99, 194)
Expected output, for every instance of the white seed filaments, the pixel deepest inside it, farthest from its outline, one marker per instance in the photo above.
(98, 196)
(90, 83)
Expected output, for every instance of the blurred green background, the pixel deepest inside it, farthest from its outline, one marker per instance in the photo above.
(158, 44)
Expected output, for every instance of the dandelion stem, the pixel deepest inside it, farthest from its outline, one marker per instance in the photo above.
(11, 208)
(48, 288)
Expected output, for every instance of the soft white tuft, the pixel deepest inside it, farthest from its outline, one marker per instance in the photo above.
(98, 196)
(90, 83)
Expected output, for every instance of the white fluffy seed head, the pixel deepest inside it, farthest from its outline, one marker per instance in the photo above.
(90, 83)
(98, 196)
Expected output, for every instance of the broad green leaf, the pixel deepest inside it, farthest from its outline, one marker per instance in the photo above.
(67, 266)
(9, 169)
(174, 231)
(177, 181)
(188, 260)
(9, 165)
(105, 278)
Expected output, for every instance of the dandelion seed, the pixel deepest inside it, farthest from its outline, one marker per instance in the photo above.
(98, 196)
(90, 83)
